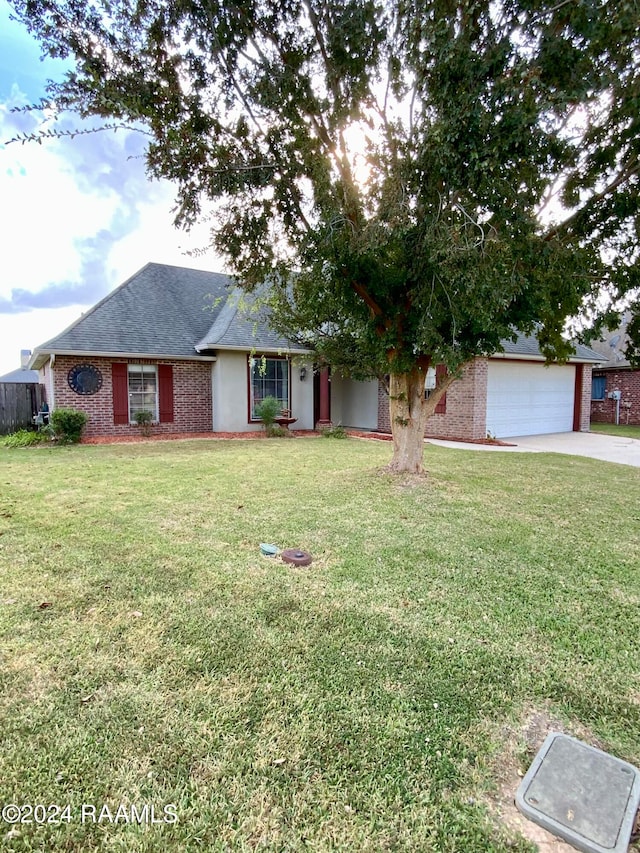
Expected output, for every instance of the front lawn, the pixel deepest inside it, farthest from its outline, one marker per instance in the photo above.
(623, 430)
(150, 656)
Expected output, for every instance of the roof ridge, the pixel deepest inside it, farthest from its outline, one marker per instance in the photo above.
(184, 269)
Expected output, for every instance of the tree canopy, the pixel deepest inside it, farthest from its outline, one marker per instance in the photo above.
(417, 179)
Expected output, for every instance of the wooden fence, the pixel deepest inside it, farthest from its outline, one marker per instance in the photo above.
(19, 402)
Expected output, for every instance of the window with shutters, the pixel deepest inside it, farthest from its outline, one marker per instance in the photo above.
(142, 387)
(143, 390)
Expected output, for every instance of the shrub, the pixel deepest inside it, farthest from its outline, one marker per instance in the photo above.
(337, 431)
(276, 431)
(24, 438)
(68, 425)
(268, 410)
(143, 419)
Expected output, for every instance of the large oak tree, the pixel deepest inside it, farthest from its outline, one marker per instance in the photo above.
(416, 179)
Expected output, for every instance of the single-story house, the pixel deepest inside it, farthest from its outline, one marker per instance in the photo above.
(181, 344)
(615, 387)
(22, 375)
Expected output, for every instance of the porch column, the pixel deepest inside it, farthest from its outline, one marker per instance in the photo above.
(325, 419)
(577, 399)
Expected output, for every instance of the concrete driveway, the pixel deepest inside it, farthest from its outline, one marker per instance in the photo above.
(608, 448)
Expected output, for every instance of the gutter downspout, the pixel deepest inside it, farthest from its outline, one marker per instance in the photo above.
(52, 383)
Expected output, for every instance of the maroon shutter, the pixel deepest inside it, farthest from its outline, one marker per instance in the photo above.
(165, 391)
(441, 372)
(120, 388)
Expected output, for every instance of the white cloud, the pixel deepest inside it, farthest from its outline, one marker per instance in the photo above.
(77, 217)
(26, 331)
(43, 214)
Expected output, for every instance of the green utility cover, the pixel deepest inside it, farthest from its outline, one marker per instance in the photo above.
(581, 794)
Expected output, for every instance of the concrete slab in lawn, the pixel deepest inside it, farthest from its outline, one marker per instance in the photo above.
(608, 448)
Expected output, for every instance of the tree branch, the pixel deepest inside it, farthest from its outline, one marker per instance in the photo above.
(71, 134)
(441, 389)
(369, 301)
(632, 168)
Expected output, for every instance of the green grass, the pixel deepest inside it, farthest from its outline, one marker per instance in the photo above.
(624, 430)
(360, 704)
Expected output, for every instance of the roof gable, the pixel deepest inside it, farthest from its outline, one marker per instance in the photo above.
(161, 310)
(243, 323)
(165, 310)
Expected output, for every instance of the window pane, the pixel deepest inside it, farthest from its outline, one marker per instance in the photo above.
(135, 382)
(269, 378)
(598, 387)
(143, 394)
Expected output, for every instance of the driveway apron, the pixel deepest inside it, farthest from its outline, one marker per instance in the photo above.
(608, 448)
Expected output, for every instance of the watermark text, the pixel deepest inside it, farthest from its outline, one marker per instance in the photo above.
(146, 814)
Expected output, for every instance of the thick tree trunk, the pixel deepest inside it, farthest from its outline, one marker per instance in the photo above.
(409, 412)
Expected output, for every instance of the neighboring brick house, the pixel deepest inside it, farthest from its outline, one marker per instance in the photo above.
(615, 390)
(178, 343)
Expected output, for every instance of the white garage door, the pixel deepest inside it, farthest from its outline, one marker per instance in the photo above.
(525, 398)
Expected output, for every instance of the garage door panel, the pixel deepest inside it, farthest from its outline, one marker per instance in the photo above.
(525, 398)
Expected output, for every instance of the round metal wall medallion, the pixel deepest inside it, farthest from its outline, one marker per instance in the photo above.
(85, 379)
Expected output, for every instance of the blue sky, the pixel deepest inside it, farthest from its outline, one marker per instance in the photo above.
(77, 216)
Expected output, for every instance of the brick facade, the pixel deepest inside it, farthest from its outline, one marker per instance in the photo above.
(192, 403)
(384, 418)
(584, 413)
(466, 406)
(626, 381)
(466, 410)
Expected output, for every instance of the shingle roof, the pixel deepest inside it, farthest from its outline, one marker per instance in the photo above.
(164, 311)
(159, 310)
(21, 375)
(527, 345)
(612, 346)
(243, 324)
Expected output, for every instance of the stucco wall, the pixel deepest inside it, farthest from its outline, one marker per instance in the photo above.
(628, 382)
(354, 404)
(231, 394)
(191, 397)
(302, 395)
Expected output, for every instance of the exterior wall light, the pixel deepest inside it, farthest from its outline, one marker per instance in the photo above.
(303, 374)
